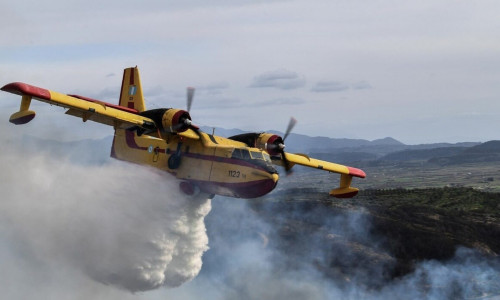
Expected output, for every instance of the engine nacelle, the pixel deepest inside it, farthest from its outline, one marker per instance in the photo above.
(169, 119)
(269, 142)
(176, 120)
(272, 143)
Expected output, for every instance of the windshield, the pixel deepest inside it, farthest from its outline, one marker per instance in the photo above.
(241, 154)
(256, 155)
(245, 154)
(257, 158)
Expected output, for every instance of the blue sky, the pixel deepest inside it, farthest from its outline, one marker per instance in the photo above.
(420, 72)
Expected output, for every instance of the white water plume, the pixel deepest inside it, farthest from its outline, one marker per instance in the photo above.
(120, 224)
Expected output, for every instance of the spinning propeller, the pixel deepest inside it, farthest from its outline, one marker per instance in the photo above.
(190, 94)
(189, 100)
(281, 146)
(185, 121)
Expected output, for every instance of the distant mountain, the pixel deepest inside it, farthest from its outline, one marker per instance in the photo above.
(320, 144)
(491, 147)
(306, 144)
(422, 154)
(345, 150)
(388, 141)
(450, 155)
(485, 152)
(345, 157)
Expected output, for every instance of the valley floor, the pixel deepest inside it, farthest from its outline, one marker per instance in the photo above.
(411, 175)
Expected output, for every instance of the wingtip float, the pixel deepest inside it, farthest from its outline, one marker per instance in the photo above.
(239, 166)
(26, 91)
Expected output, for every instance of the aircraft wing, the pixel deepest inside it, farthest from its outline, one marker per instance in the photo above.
(190, 134)
(346, 173)
(78, 106)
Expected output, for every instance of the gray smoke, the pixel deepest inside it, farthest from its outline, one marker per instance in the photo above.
(120, 224)
(338, 259)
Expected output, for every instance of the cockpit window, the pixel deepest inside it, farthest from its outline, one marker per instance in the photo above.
(266, 157)
(241, 154)
(256, 155)
(236, 153)
(245, 154)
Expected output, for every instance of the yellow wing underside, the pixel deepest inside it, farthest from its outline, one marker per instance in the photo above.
(87, 109)
(304, 160)
(346, 173)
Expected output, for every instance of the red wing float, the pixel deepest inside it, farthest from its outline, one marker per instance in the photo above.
(166, 138)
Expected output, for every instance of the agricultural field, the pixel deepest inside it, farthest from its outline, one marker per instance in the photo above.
(481, 176)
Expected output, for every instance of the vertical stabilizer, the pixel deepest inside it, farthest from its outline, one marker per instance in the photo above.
(131, 92)
(131, 97)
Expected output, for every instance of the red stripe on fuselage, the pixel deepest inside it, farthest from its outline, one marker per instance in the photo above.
(130, 139)
(121, 90)
(131, 143)
(232, 161)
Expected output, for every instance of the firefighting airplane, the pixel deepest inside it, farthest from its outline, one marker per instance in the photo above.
(166, 138)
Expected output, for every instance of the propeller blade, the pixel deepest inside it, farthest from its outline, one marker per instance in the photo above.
(291, 124)
(281, 146)
(288, 168)
(190, 95)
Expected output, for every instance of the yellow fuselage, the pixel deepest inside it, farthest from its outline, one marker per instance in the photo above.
(212, 164)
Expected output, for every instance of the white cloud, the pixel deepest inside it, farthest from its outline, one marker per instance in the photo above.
(329, 86)
(414, 54)
(280, 79)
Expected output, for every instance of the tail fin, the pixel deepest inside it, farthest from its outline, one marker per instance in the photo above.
(131, 97)
(131, 92)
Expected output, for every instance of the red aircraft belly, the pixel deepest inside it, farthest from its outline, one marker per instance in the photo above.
(250, 189)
